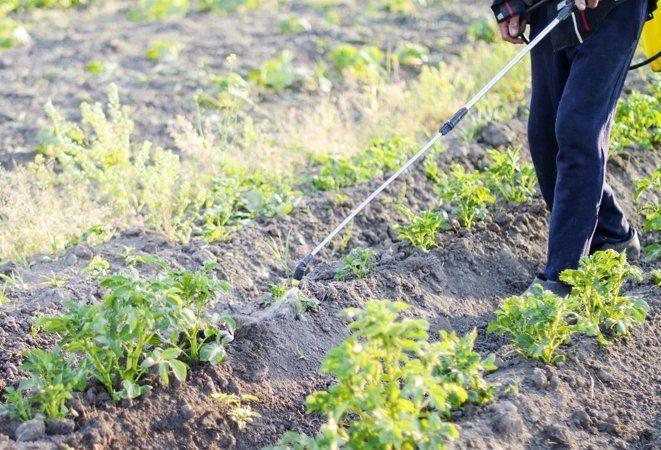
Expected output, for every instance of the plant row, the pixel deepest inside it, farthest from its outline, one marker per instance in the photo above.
(142, 330)
(540, 322)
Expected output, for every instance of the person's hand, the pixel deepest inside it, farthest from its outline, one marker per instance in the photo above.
(511, 29)
(582, 4)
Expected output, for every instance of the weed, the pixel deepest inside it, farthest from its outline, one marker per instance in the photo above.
(422, 229)
(96, 67)
(467, 192)
(394, 389)
(53, 281)
(596, 290)
(357, 264)
(508, 177)
(280, 252)
(227, 5)
(275, 292)
(238, 408)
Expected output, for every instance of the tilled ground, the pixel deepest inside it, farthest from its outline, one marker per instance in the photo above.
(598, 398)
(65, 42)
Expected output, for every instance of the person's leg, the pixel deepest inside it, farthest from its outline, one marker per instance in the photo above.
(598, 68)
(549, 74)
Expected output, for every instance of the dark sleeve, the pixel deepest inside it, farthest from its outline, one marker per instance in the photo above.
(504, 9)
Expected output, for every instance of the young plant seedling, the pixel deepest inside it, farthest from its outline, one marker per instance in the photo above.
(538, 324)
(238, 408)
(394, 388)
(467, 192)
(508, 177)
(596, 287)
(422, 229)
(357, 264)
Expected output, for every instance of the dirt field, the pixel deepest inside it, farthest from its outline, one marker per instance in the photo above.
(598, 398)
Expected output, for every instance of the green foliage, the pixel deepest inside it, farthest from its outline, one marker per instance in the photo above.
(237, 407)
(508, 177)
(637, 121)
(394, 389)
(144, 324)
(360, 64)
(466, 191)
(294, 25)
(410, 54)
(160, 50)
(12, 33)
(422, 229)
(382, 156)
(357, 264)
(238, 196)
(651, 210)
(596, 290)
(52, 376)
(277, 74)
(227, 5)
(483, 30)
(96, 67)
(152, 10)
(539, 322)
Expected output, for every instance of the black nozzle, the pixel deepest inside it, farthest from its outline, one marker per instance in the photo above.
(302, 266)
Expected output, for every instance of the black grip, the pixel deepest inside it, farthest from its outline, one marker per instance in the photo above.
(302, 266)
(450, 124)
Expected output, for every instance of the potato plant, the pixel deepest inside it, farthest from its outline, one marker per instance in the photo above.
(650, 188)
(382, 156)
(423, 228)
(394, 388)
(508, 177)
(467, 192)
(540, 322)
(637, 120)
(360, 64)
(357, 264)
(140, 327)
(596, 292)
(278, 73)
(52, 376)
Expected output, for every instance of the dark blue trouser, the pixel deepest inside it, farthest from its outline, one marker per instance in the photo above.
(574, 94)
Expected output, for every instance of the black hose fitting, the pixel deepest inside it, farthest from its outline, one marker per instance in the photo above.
(302, 266)
(450, 124)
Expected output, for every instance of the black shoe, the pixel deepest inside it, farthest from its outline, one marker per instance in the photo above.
(557, 287)
(631, 246)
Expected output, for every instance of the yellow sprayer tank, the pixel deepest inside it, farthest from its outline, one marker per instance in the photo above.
(652, 39)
